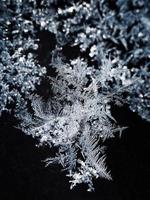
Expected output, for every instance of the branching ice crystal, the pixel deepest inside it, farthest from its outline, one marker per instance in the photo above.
(77, 119)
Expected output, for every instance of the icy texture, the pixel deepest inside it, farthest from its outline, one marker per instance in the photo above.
(19, 71)
(118, 28)
(139, 98)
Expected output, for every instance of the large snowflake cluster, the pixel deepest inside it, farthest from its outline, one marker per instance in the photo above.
(113, 42)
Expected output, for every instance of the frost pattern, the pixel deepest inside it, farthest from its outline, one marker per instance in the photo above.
(114, 47)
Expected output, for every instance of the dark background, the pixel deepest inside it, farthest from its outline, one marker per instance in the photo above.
(23, 175)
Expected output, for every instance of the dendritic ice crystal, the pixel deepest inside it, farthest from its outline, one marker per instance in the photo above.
(77, 119)
(111, 66)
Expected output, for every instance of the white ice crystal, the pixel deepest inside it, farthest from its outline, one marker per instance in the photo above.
(77, 119)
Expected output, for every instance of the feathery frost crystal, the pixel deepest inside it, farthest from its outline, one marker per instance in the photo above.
(77, 119)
